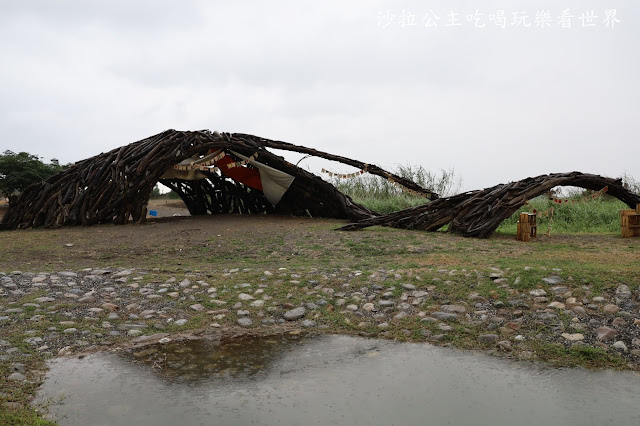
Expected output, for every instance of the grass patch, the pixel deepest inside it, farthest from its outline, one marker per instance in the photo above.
(15, 396)
(600, 215)
(577, 355)
(21, 416)
(382, 196)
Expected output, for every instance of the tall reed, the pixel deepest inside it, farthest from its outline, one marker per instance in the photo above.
(383, 196)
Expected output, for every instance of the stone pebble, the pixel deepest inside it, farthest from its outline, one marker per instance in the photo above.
(294, 314)
(606, 319)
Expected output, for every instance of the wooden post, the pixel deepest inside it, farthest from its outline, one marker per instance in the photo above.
(630, 222)
(524, 228)
(533, 225)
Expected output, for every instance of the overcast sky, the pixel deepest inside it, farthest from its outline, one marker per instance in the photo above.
(371, 80)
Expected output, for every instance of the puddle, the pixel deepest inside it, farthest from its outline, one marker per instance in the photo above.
(196, 362)
(330, 380)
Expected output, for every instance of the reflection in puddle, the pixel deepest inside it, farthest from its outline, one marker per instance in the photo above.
(323, 380)
(197, 361)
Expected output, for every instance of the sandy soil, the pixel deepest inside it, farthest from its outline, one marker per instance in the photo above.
(168, 208)
(165, 208)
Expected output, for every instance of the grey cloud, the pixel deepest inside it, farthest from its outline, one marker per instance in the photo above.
(139, 15)
(84, 77)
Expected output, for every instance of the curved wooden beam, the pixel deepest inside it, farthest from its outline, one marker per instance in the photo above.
(479, 213)
(370, 168)
(114, 187)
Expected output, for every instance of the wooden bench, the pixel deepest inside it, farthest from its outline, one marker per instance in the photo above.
(630, 222)
(527, 227)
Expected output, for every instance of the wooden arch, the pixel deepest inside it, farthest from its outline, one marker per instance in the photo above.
(114, 187)
(479, 213)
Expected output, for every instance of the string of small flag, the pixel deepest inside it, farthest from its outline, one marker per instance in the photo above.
(580, 200)
(243, 162)
(205, 168)
(216, 158)
(547, 213)
(407, 190)
(389, 178)
(206, 165)
(195, 165)
(187, 167)
(345, 175)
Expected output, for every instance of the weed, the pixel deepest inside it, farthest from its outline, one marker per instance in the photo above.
(382, 196)
(577, 355)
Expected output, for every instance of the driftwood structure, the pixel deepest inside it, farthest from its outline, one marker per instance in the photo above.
(114, 187)
(479, 213)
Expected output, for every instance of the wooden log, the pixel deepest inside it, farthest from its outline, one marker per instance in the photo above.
(630, 222)
(370, 168)
(479, 213)
(524, 228)
(115, 186)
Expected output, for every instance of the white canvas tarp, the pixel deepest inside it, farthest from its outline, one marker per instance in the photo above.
(274, 182)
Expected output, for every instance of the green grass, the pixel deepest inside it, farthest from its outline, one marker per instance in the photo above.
(23, 416)
(382, 196)
(600, 215)
(391, 204)
(586, 356)
(15, 397)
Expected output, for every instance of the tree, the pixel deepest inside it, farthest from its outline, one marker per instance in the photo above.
(156, 192)
(17, 171)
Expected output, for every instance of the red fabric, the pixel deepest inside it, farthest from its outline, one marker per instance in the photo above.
(249, 176)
